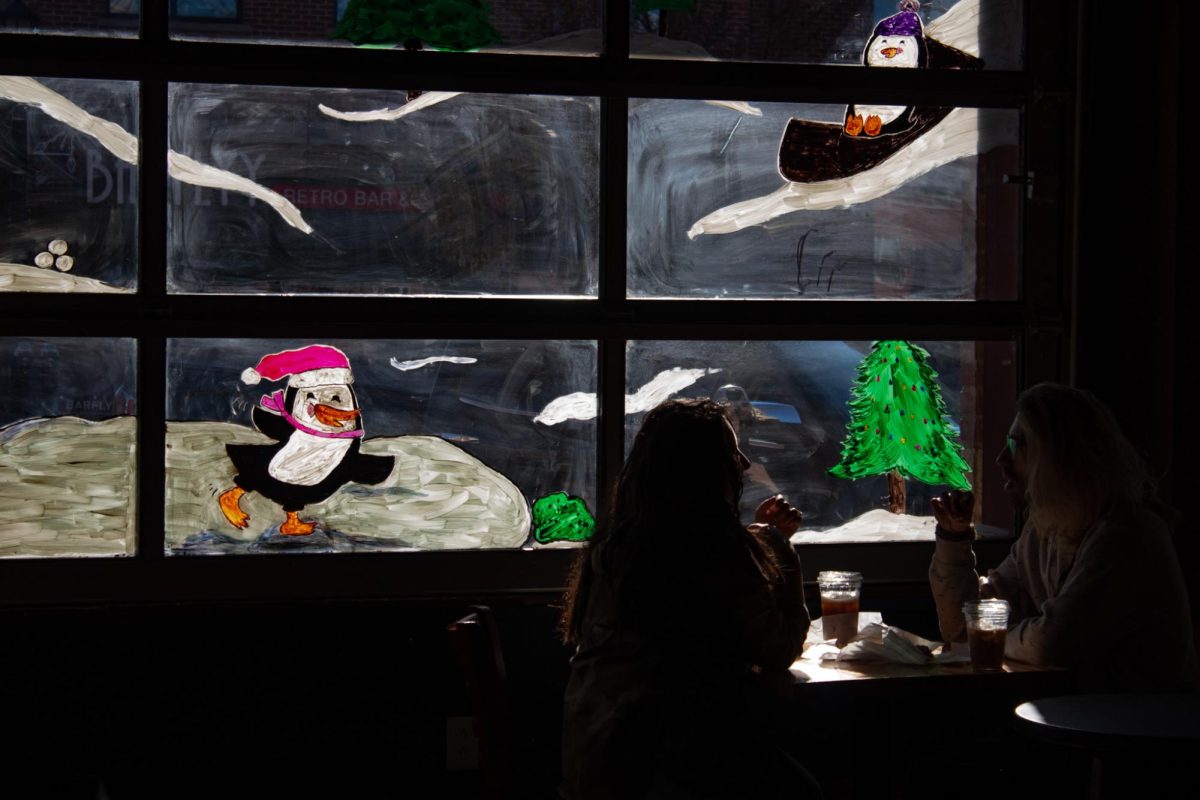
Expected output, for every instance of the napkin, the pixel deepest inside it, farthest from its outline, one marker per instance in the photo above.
(875, 641)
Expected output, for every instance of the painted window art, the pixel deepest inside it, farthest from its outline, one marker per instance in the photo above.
(789, 404)
(68, 185)
(407, 193)
(898, 424)
(934, 221)
(68, 429)
(457, 25)
(288, 446)
(815, 31)
(828, 202)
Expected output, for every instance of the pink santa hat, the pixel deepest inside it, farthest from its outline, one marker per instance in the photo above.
(315, 365)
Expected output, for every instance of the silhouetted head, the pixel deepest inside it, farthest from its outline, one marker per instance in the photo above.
(1067, 460)
(684, 463)
(676, 497)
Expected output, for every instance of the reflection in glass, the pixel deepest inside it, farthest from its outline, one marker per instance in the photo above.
(68, 429)
(71, 17)
(818, 31)
(521, 26)
(711, 213)
(303, 446)
(68, 198)
(368, 192)
(790, 402)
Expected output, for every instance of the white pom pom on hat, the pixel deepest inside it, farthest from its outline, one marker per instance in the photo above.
(315, 365)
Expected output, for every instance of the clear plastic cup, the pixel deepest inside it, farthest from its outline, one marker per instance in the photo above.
(987, 630)
(840, 593)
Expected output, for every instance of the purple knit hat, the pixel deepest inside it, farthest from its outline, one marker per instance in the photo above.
(904, 23)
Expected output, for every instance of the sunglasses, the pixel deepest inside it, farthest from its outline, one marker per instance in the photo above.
(1013, 444)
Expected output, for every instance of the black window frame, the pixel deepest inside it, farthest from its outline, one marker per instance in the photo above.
(1038, 322)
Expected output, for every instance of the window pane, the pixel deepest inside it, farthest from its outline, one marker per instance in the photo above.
(68, 185)
(924, 213)
(450, 456)
(822, 32)
(95, 18)
(69, 428)
(445, 194)
(206, 9)
(790, 401)
(570, 28)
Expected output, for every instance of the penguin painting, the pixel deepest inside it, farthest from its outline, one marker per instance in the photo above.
(897, 41)
(318, 430)
(813, 152)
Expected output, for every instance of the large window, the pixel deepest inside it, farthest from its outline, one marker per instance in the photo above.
(416, 299)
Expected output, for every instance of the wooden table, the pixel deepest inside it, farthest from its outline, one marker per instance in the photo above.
(873, 729)
(812, 671)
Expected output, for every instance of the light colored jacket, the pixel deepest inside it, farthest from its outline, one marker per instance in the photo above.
(1112, 605)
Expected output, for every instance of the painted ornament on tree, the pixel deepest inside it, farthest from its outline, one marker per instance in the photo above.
(900, 428)
(318, 430)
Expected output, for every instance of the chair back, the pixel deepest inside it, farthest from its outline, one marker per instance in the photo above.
(476, 644)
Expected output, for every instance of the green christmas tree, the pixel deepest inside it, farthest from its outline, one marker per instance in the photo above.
(559, 517)
(439, 24)
(898, 424)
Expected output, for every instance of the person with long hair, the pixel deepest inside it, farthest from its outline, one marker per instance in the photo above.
(678, 613)
(1093, 581)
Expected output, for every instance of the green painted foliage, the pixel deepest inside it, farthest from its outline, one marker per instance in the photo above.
(898, 421)
(558, 517)
(438, 24)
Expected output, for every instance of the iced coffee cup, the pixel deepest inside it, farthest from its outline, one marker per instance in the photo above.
(839, 605)
(987, 630)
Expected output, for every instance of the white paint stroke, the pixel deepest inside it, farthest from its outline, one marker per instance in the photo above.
(958, 27)
(736, 105)
(386, 114)
(583, 405)
(405, 366)
(124, 145)
(577, 405)
(989, 30)
(964, 132)
(120, 142)
(188, 170)
(24, 278)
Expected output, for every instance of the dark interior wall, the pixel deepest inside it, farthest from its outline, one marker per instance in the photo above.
(293, 699)
(328, 699)
(1134, 326)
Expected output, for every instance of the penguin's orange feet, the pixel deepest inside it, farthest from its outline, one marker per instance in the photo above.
(228, 501)
(294, 526)
(854, 124)
(873, 125)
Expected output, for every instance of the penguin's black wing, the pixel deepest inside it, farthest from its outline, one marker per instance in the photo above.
(943, 56)
(367, 469)
(272, 424)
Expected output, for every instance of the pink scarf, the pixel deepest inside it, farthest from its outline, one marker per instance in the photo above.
(274, 402)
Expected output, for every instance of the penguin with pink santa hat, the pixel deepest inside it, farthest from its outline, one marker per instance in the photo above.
(317, 427)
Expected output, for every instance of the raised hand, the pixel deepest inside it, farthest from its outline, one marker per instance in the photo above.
(780, 514)
(954, 511)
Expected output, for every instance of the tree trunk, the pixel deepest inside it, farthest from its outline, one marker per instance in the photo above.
(896, 499)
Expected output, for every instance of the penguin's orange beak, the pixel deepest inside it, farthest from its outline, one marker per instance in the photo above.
(328, 415)
(891, 52)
